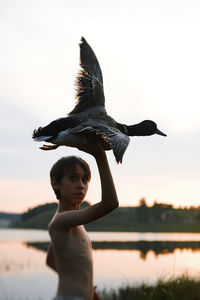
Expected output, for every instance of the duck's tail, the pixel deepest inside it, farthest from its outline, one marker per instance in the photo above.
(39, 135)
(54, 128)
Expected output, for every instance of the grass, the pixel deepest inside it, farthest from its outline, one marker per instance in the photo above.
(180, 288)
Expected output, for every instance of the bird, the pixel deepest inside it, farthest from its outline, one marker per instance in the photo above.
(89, 116)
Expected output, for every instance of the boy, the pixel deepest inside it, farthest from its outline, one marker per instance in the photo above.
(70, 251)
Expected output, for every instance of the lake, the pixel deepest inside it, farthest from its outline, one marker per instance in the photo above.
(119, 259)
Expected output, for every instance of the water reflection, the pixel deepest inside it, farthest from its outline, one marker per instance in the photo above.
(157, 247)
(23, 273)
(116, 268)
(22, 261)
(15, 258)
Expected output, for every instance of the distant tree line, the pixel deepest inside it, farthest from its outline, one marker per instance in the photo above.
(38, 210)
(139, 218)
(32, 212)
(161, 212)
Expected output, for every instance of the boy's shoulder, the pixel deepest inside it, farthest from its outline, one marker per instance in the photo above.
(61, 222)
(55, 222)
(57, 232)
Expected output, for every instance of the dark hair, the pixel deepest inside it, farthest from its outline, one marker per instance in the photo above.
(67, 164)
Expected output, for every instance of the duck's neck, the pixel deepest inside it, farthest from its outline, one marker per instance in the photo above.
(132, 130)
(135, 130)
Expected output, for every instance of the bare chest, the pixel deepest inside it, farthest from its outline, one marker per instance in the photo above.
(74, 245)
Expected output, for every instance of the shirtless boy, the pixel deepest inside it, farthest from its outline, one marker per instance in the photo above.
(70, 251)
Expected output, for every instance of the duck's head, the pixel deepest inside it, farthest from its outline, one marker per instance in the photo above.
(144, 128)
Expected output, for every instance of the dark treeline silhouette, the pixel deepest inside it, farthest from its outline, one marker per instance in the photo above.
(166, 212)
(159, 217)
(144, 247)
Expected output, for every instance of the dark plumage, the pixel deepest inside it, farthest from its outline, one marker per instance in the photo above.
(89, 115)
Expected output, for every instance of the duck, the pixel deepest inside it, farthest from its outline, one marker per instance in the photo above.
(89, 116)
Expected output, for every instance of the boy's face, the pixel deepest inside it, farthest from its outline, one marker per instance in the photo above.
(73, 186)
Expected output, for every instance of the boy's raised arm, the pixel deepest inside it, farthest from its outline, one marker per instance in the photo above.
(109, 195)
(109, 199)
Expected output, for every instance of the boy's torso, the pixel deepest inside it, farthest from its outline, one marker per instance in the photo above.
(73, 254)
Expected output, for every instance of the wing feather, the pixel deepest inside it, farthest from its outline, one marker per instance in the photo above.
(89, 82)
(112, 137)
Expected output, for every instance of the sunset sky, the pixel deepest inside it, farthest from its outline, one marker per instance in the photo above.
(149, 52)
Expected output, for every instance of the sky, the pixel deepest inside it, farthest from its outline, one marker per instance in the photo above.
(149, 56)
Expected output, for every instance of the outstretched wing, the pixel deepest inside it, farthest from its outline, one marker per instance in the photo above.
(89, 83)
(111, 138)
(119, 143)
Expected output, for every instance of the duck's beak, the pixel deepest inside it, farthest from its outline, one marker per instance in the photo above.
(160, 132)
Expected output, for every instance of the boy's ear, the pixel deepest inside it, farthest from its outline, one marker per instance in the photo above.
(54, 183)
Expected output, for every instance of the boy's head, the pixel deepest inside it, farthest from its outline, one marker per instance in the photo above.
(65, 165)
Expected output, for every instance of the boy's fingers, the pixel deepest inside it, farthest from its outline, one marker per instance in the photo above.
(89, 143)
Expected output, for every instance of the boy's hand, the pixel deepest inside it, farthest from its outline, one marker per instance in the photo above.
(90, 144)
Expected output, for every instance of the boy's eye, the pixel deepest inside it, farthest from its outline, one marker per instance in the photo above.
(73, 178)
(85, 180)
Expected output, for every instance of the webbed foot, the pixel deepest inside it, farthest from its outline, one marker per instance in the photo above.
(49, 147)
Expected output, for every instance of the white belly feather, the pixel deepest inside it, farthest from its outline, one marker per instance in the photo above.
(68, 139)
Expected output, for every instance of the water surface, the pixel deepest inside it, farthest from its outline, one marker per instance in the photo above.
(22, 263)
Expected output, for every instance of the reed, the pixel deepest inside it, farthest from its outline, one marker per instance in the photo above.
(180, 288)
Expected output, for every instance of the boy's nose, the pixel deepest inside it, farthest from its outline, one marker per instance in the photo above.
(80, 184)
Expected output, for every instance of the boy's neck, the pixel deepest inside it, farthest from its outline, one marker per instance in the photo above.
(64, 206)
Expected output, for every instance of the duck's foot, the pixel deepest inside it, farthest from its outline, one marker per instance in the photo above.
(49, 147)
